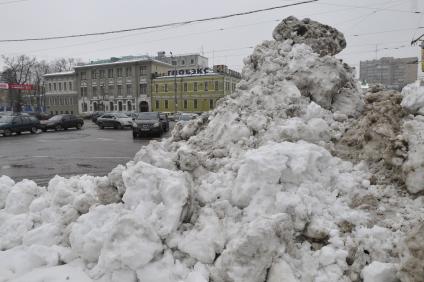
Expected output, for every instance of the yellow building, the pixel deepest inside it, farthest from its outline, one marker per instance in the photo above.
(197, 90)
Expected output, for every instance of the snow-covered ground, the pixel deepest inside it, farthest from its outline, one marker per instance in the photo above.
(276, 184)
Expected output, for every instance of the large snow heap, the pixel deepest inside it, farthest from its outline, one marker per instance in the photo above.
(248, 192)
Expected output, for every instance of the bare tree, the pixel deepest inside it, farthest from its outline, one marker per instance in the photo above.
(18, 70)
(64, 64)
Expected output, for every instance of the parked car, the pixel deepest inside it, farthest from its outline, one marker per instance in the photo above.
(165, 121)
(96, 115)
(185, 117)
(147, 123)
(17, 124)
(60, 122)
(115, 120)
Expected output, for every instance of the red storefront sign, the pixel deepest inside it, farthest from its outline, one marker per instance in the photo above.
(4, 86)
(20, 86)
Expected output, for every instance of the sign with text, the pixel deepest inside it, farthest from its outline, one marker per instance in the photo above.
(190, 71)
(20, 86)
(4, 86)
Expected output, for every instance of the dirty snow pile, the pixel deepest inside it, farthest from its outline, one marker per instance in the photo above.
(253, 191)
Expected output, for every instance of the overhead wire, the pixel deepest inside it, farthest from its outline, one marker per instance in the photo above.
(160, 25)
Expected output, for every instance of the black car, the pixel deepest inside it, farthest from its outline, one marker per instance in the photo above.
(18, 124)
(147, 123)
(60, 122)
(165, 121)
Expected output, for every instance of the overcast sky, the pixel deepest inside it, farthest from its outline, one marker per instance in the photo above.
(383, 25)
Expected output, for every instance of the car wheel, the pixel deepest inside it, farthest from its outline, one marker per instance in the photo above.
(7, 132)
(33, 130)
(58, 127)
(79, 125)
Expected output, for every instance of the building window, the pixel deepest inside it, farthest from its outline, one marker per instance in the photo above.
(166, 87)
(128, 71)
(110, 89)
(192, 61)
(119, 90)
(185, 104)
(166, 104)
(93, 74)
(211, 104)
(129, 89)
(227, 86)
(195, 86)
(102, 90)
(143, 70)
(143, 88)
(60, 86)
(119, 72)
(156, 88)
(83, 91)
(216, 85)
(110, 73)
(174, 63)
(206, 86)
(83, 75)
(157, 104)
(50, 87)
(234, 87)
(54, 86)
(185, 86)
(64, 86)
(94, 91)
(195, 103)
(182, 62)
(70, 86)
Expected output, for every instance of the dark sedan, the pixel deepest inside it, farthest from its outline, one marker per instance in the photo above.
(18, 124)
(60, 122)
(147, 123)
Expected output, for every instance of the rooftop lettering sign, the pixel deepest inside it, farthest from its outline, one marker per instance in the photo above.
(190, 71)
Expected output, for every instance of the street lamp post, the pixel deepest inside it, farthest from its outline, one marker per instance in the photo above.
(175, 84)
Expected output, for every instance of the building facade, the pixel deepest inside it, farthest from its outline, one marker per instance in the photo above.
(197, 90)
(393, 73)
(118, 84)
(61, 96)
(185, 61)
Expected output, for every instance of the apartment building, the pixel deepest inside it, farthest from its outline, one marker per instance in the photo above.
(197, 90)
(61, 96)
(393, 73)
(117, 84)
(184, 61)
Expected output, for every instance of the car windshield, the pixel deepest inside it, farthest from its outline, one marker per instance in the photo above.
(5, 119)
(55, 118)
(121, 115)
(147, 115)
(186, 117)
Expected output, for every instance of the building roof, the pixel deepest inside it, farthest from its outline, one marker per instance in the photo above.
(122, 60)
(59, 73)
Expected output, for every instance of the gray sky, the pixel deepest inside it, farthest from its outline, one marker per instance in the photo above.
(389, 26)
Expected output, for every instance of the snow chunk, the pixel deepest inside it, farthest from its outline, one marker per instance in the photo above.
(413, 98)
(380, 272)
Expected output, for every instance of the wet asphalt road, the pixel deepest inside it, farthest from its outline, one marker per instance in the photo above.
(91, 150)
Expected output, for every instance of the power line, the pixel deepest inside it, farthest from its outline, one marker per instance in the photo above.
(159, 26)
(372, 8)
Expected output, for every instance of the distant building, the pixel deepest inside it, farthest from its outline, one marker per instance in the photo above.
(184, 61)
(117, 84)
(197, 90)
(393, 73)
(61, 95)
